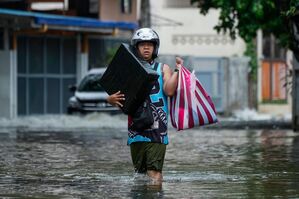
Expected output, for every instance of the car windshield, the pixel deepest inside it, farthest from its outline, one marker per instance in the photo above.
(90, 83)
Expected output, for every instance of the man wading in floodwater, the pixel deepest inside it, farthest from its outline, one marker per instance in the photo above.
(148, 146)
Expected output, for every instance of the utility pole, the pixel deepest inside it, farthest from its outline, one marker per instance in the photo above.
(145, 16)
(294, 26)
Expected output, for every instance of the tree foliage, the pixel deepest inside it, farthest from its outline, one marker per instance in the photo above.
(245, 17)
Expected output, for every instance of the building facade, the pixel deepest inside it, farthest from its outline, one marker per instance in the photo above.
(218, 60)
(43, 52)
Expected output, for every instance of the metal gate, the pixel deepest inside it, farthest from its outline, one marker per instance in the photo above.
(46, 67)
(209, 71)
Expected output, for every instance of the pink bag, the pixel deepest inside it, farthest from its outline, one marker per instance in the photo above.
(191, 105)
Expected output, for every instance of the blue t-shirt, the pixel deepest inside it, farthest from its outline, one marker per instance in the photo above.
(159, 104)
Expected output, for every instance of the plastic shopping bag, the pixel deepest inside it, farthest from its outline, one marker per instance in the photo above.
(191, 105)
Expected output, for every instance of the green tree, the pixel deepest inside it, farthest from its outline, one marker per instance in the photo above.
(110, 52)
(245, 17)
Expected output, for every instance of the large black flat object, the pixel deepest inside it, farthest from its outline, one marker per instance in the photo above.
(127, 74)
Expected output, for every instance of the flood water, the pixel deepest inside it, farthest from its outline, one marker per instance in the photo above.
(199, 163)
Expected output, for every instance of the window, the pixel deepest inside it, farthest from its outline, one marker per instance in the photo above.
(49, 5)
(126, 6)
(274, 71)
(274, 78)
(272, 49)
(93, 6)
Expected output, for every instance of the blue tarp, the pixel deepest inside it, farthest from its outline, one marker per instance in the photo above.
(61, 20)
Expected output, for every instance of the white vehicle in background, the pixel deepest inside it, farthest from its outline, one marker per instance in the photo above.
(89, 96)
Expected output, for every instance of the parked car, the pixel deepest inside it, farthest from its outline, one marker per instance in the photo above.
(89, 96)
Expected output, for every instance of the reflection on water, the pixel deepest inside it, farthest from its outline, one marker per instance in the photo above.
(199, 164)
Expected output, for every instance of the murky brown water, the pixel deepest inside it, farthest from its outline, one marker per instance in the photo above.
(199, 164)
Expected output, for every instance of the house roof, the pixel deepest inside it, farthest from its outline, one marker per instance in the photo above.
(61, 22)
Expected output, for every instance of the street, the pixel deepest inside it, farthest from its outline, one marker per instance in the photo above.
(95, 162)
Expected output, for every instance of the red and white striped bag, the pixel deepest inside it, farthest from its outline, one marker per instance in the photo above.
(191, 105)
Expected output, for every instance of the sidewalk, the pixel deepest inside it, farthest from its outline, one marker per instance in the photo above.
(92, 122)
(228, 123)
(250, 119)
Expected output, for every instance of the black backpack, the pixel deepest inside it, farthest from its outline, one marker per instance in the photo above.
(143, 118)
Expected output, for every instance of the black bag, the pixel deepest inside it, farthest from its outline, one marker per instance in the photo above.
(143, 118)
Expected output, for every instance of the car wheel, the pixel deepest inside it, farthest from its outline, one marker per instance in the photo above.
(70, 111)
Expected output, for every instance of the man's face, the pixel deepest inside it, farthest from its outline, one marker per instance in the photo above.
(145, 50)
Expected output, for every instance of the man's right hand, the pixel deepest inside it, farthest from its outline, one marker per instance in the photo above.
(116, 99)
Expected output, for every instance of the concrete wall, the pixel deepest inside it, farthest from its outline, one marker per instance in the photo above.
(183, 31)
(232, 83)
(237, 84)
(195, 36)
(8, 88)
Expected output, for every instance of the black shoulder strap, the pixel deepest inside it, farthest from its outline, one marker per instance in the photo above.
(156, 66)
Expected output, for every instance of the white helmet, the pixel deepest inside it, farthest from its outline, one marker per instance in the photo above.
(146, 34)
